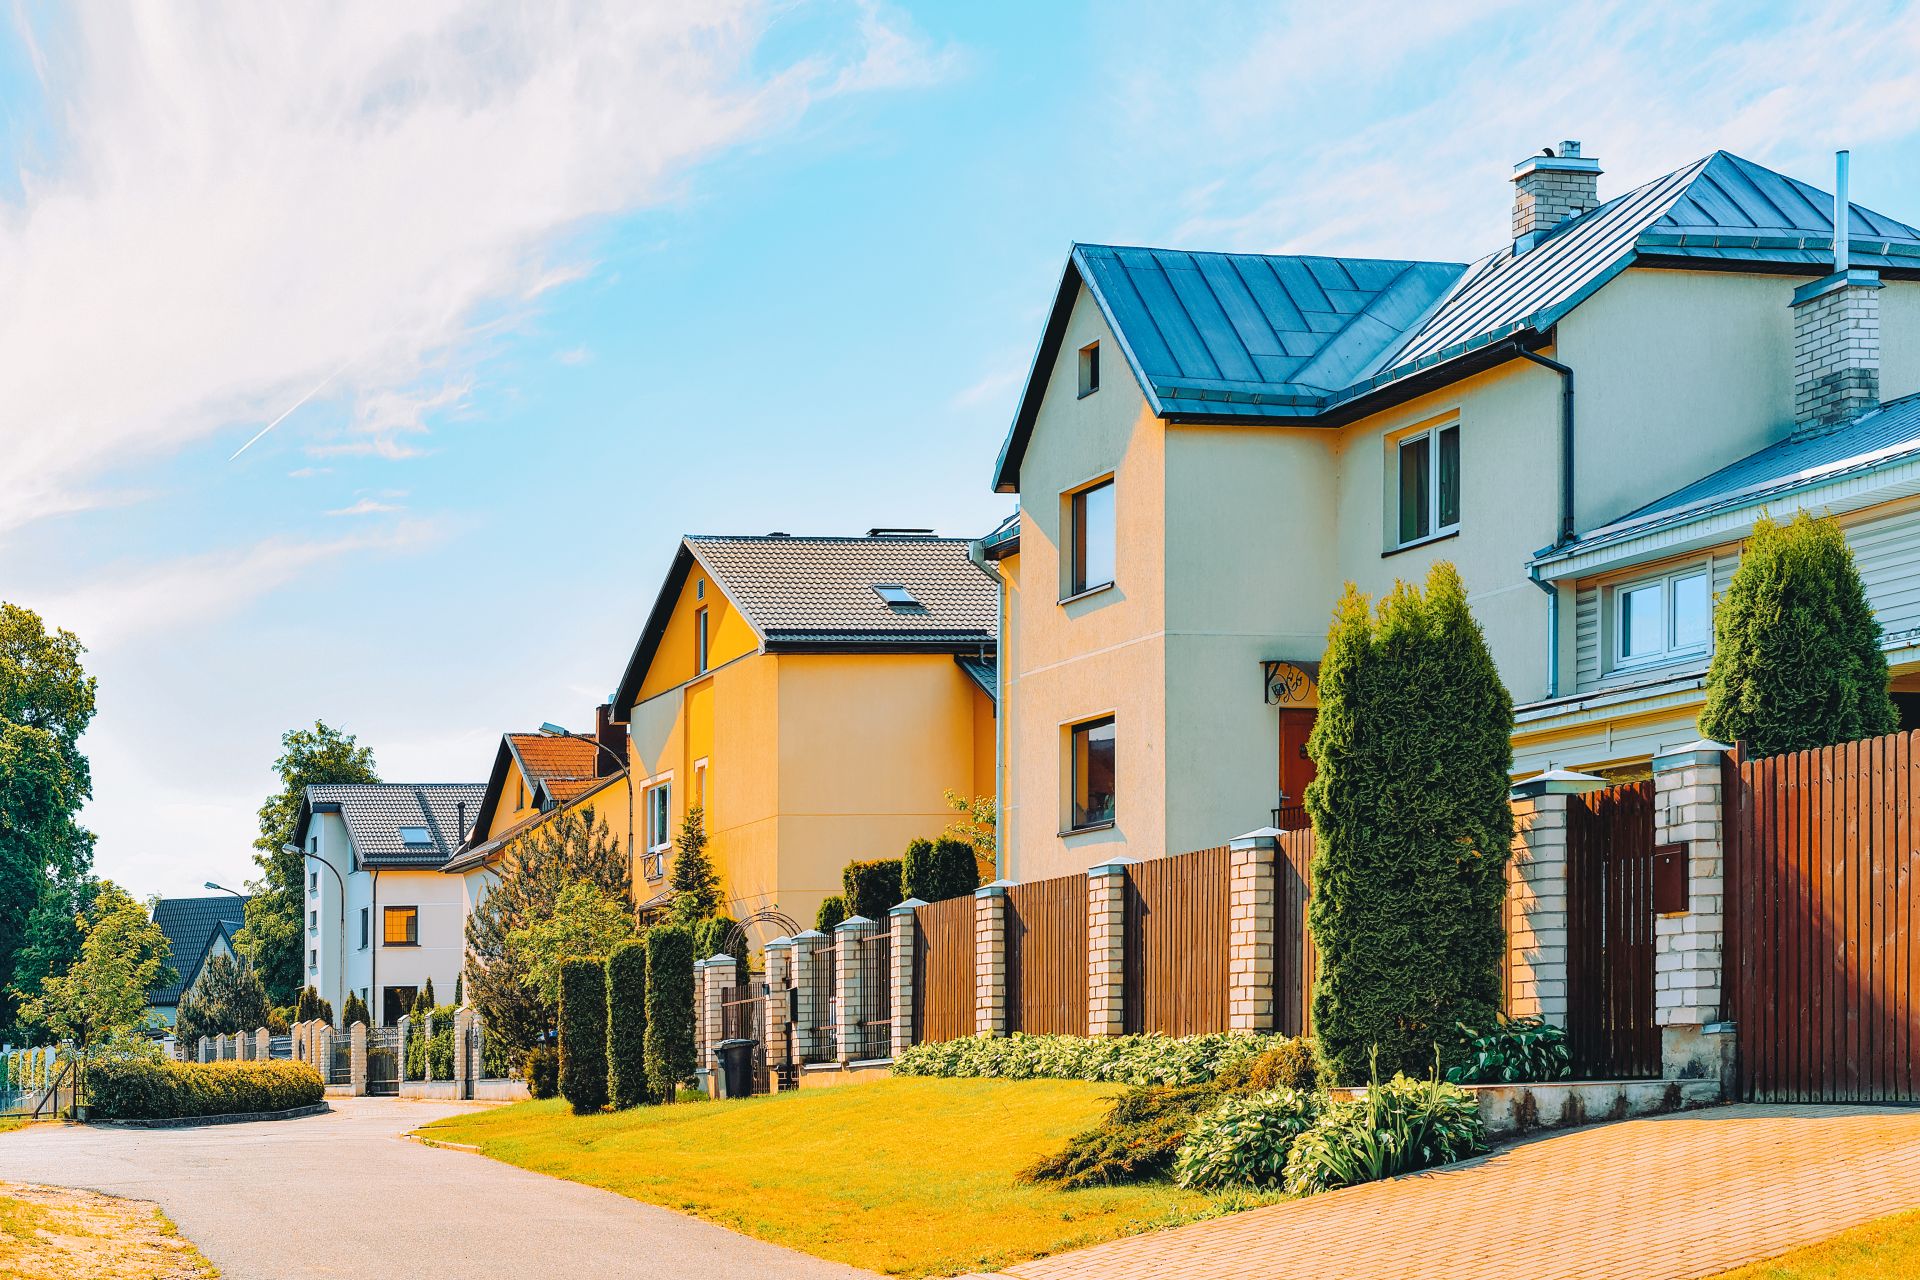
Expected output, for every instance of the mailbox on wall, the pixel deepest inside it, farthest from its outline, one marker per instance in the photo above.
(1671, 892)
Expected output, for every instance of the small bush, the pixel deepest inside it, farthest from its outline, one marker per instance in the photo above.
(1141, 1060)
(832, 911)
(669, 1033)
(872, 887)
(1517, 1050)
(627, 1024)
(355, 1010)
(159, 1089)
(1136, 1142)
(278, 1023)
(1400, 1126)
(1244, 1142)
(1292, 1064)
(935, 870)
(540, 1068)
(583, 1033)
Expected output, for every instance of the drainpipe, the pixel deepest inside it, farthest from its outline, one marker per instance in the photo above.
(1553, 629)
(1565, 534)
(977, 554)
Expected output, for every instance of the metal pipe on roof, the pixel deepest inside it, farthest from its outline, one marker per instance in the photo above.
(1565, 534)
(1842, 212)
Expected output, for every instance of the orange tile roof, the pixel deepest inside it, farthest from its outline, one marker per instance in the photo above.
(549, 758)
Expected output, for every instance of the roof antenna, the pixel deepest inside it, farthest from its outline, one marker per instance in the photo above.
(1842, 213)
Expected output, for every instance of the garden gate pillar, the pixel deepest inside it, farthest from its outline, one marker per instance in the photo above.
(1695, 1042)
(323, 1051)
(357, 1062)
(1250, 922)
(806, 955)
(990, 959)
(773, 1025)
(462, 1077)
(263, 1044)
(1537, 885)
(206, 1050)
(906, 929)
(1106, 948)
(715, 974)
(220, 1047)
(847, 937)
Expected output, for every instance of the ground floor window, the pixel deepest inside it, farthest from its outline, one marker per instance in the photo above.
(1093, 781)
(396, 1003)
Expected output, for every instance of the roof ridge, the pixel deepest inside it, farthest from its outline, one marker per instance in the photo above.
(1261, 253)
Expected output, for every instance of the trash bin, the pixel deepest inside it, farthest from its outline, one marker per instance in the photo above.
(736, 1067)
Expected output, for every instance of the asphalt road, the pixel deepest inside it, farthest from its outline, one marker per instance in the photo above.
(345, 1195)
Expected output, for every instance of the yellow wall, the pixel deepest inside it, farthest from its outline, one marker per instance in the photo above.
(513, 805)
(728, 635)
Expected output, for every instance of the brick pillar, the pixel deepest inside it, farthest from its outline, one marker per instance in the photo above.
(462, 1085)
(807, 947)
(1106, 948)
(205, 1050)
(779, 953)
(847, 937)
(1537, 884)
(990, 959)
(358, 1062)
(715, 974)
(906, 929)
(323, 1052)
(1250, 923)
(1687, 946)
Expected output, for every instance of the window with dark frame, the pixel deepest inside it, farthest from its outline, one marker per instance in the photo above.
(700, 643)
(1093, 538)
(1429, 480)
(1092, 746)
(400, 927)
(1089, 369)
(366, 926)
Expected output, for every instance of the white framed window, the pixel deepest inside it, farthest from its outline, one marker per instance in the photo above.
(1663, 618)
(1090, 538)
(659, 832)
(700, 643)
(313, 922)
(1427, 470)
(313, 882)
(313, 960)
(1089, 369)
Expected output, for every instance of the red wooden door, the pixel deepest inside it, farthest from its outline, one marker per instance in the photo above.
(1296, 769)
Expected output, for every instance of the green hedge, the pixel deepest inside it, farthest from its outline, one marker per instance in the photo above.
(437, 1049)
(935, 870)
(669, 1033)
(583, 1033)
(157, 1089)
(627, 1023)
(1145, 1059)
(873, 887)
(540, 1068)
(833, 909)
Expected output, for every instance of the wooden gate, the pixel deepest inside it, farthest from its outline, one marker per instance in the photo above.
(1294, 959)
(1823, 882)
(1610, 1028)
(943, 965)
(1047, 957)
(1176, 944)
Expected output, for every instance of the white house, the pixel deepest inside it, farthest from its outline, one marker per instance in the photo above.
(380, 918)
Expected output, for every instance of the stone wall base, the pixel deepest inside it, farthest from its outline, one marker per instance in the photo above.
(1694, 1052)
(824, 1075)
(1510, 1110)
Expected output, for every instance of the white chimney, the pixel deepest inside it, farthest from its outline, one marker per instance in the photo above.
(1550, 188)
(1836, 331)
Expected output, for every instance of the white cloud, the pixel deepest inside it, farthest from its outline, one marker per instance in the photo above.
(247, 198)
(366, 507)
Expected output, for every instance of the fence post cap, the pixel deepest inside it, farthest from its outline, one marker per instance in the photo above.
(1557, 782)
(780, 943)
(1112, 866)
(993, 889)
(1258, 838)
(1702, 751)
(851, 922)
(714, 962)
(808, 933)
(906, 907)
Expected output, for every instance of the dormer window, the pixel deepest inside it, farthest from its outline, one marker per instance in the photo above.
(415, 836)
(1089, 369)
(895, 595)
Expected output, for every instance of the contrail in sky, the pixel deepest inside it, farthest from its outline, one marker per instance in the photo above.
(290, 408)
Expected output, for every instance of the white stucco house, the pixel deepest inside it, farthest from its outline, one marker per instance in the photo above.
(380, 918)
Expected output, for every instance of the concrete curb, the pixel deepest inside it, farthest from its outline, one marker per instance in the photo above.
(194, 1122)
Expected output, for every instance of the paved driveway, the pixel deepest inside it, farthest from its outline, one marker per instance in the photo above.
(1668, 1198)
(344, 1195)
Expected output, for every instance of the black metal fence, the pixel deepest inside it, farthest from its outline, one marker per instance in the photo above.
(823, 1042)
(743, 1017)
(875, 1013)
(280, 1046)
(340, 1060)
(383, 1061)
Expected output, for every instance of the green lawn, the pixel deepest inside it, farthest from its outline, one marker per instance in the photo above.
(1886, 1247)
(906, 1176)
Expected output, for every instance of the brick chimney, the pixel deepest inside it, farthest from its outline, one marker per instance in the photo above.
(1550, 188)
(1836, 332)
(609, 733)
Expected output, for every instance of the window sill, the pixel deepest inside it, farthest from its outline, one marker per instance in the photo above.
(1639, 668)
(1082, 595)
(1090, 827)
(398, 946)
(1417, 543)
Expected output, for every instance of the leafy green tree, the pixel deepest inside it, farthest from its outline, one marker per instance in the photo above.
(272, 938)
(833, 909)
(571, 847)
(696, 889)
(46, 703)
(585, 921)
(1413, 745)
(101, 1001)
(228, 998)
(1797, 662)
(978, 827)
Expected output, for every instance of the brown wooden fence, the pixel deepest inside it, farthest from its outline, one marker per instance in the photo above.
(1176, 944)
(943, 965)
(1823, 883)
(1610, 1028)
(1294, 958)
(1047, 956)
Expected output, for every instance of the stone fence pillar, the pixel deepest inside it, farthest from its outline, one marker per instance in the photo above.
(404, 1027)
(712, 977)
(426, 1048)
(906, 932)
(462, 1079)
(357, 1065)
(1250, 927)
(807, 948)
(263, 1044)
(1695, 1042)
(205, 1049)
(1537, 886)
(323, 1052)
(990, 958)
(1106, 948)
(848, 936)
(773, 1025)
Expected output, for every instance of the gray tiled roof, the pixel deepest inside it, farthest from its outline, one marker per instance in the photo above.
(821, 590)
(375, 811)
(189, 925)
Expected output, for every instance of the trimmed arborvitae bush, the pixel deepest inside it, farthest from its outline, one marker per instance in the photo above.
(583, 1034)
(138, 1088)
(935, 870)
(714, 937)
(1412, 829)
(872, 887)
(355, 1010)
(833, 910)
(669, 1031)
(540, 1068)
(1797, 662)
(627, 1024)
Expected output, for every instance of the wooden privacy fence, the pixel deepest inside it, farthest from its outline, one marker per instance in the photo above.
(1611, 1031)
(943, 989)
(1823, 882)
(1046, 951)
(1176, 944)
(1294, 959)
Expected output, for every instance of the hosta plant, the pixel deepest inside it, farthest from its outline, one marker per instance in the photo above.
(1517, 1050)
(1139, 1059)
(1244, 1142)
(1398, 1127)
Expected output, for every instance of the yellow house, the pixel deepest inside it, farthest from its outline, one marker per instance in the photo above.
(816, 697)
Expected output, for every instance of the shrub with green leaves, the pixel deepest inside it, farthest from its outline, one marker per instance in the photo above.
(833, 909)
(1517, 1050)
(1244, 1142)
(583, 1033)
(1412, 827)
(1140, 1060)
(669, 1032)
(355, 1010)
(139, 1088)
(1398, 1127)
(1797, 662)
(540, 1068)
(935, 870)
(627, 1024)
(1136, 1142)
(872, 887)
(1291, 1064)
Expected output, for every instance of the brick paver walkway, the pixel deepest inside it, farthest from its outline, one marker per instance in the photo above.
(1667, 1198)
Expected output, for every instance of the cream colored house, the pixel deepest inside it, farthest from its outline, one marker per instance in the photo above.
(1209, 445)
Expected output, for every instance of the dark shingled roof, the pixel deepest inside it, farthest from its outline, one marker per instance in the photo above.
(375, 811)
(189, 925)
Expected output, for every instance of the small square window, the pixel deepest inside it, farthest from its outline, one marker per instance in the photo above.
(415, 836)
(1092, 801)
(1092, 538)
(894, 594)
(400, 927)
(1089, 369)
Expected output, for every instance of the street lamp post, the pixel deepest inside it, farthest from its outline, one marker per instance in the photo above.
(553, 730)
(314, 857)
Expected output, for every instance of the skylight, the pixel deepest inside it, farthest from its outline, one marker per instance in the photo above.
(894, 594)
(415, 835)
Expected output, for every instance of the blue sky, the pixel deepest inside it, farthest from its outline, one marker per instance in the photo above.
(571, 286)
